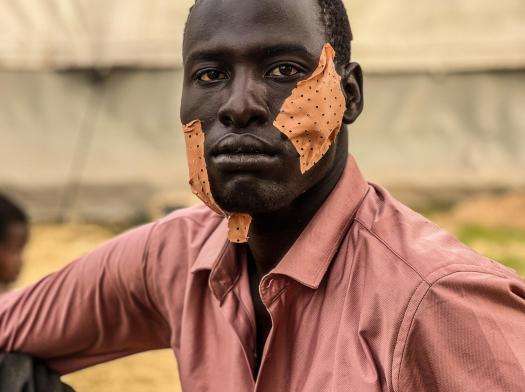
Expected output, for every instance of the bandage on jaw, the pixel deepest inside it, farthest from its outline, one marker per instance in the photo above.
(311, 118)
(238, 224)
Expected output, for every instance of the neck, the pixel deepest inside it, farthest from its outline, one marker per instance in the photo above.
(272, 234)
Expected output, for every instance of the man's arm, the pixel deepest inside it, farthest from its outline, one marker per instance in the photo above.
(467, 334)
(94, 310)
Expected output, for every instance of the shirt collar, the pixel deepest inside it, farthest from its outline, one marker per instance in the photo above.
(213, 249)
(310, 256)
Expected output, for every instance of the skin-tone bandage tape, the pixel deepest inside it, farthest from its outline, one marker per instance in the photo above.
(311, 118)
(239, 224)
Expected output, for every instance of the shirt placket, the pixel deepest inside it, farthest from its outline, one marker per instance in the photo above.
(271, 290)
(226, 287)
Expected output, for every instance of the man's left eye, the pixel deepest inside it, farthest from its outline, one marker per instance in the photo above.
(211, 75)
(283, 71)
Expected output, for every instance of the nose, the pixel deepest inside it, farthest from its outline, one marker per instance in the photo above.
(245, 105)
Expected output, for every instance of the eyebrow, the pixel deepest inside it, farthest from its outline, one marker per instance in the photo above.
(280, 49)
(259, 51)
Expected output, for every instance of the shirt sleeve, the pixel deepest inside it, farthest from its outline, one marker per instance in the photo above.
(94, 310)
(467, 334)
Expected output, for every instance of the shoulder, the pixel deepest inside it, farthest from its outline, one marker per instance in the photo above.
(459, 307)
(181, 235)
(192, 221)
(182, 229)
(167, 246)
(414, 242)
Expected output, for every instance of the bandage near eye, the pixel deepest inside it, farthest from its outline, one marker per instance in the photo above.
(313, 114)
(311, 118)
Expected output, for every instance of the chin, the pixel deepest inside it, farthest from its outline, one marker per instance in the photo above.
(252, 197)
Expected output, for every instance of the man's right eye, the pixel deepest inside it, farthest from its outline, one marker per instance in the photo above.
(211, 75)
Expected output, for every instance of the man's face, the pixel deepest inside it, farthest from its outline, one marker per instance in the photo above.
(242, 59)
(11, 252)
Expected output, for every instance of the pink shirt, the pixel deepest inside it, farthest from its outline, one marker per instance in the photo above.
(371, 297)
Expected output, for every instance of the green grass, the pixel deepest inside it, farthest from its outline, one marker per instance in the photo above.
(503, 244)
(498, 235)
(514, 263)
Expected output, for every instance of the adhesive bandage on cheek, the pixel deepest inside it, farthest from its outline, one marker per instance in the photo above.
(238, 224)
(313, 114)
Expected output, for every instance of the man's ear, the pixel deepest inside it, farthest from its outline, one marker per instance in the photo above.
(352, 82)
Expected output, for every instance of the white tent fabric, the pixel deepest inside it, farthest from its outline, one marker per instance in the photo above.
(445, 35)
(104, 149)
(91, 33)
(390, 35)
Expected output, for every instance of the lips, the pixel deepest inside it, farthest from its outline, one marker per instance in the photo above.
(233, 143)
(244, 152)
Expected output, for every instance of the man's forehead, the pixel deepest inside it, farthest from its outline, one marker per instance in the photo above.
(243, 23)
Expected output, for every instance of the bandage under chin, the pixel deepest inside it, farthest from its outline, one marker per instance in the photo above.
(238, 224)
(313, 114)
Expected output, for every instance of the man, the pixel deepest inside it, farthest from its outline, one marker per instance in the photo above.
(297, 275)
(14, 232)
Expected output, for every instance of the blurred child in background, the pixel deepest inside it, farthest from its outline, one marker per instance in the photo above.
(19, 372)
(14, 233)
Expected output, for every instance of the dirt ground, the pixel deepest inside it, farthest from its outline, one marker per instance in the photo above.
(493, 226)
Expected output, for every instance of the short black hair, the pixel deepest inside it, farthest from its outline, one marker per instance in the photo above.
(336, 23)
(335, 20)
(10, 213)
